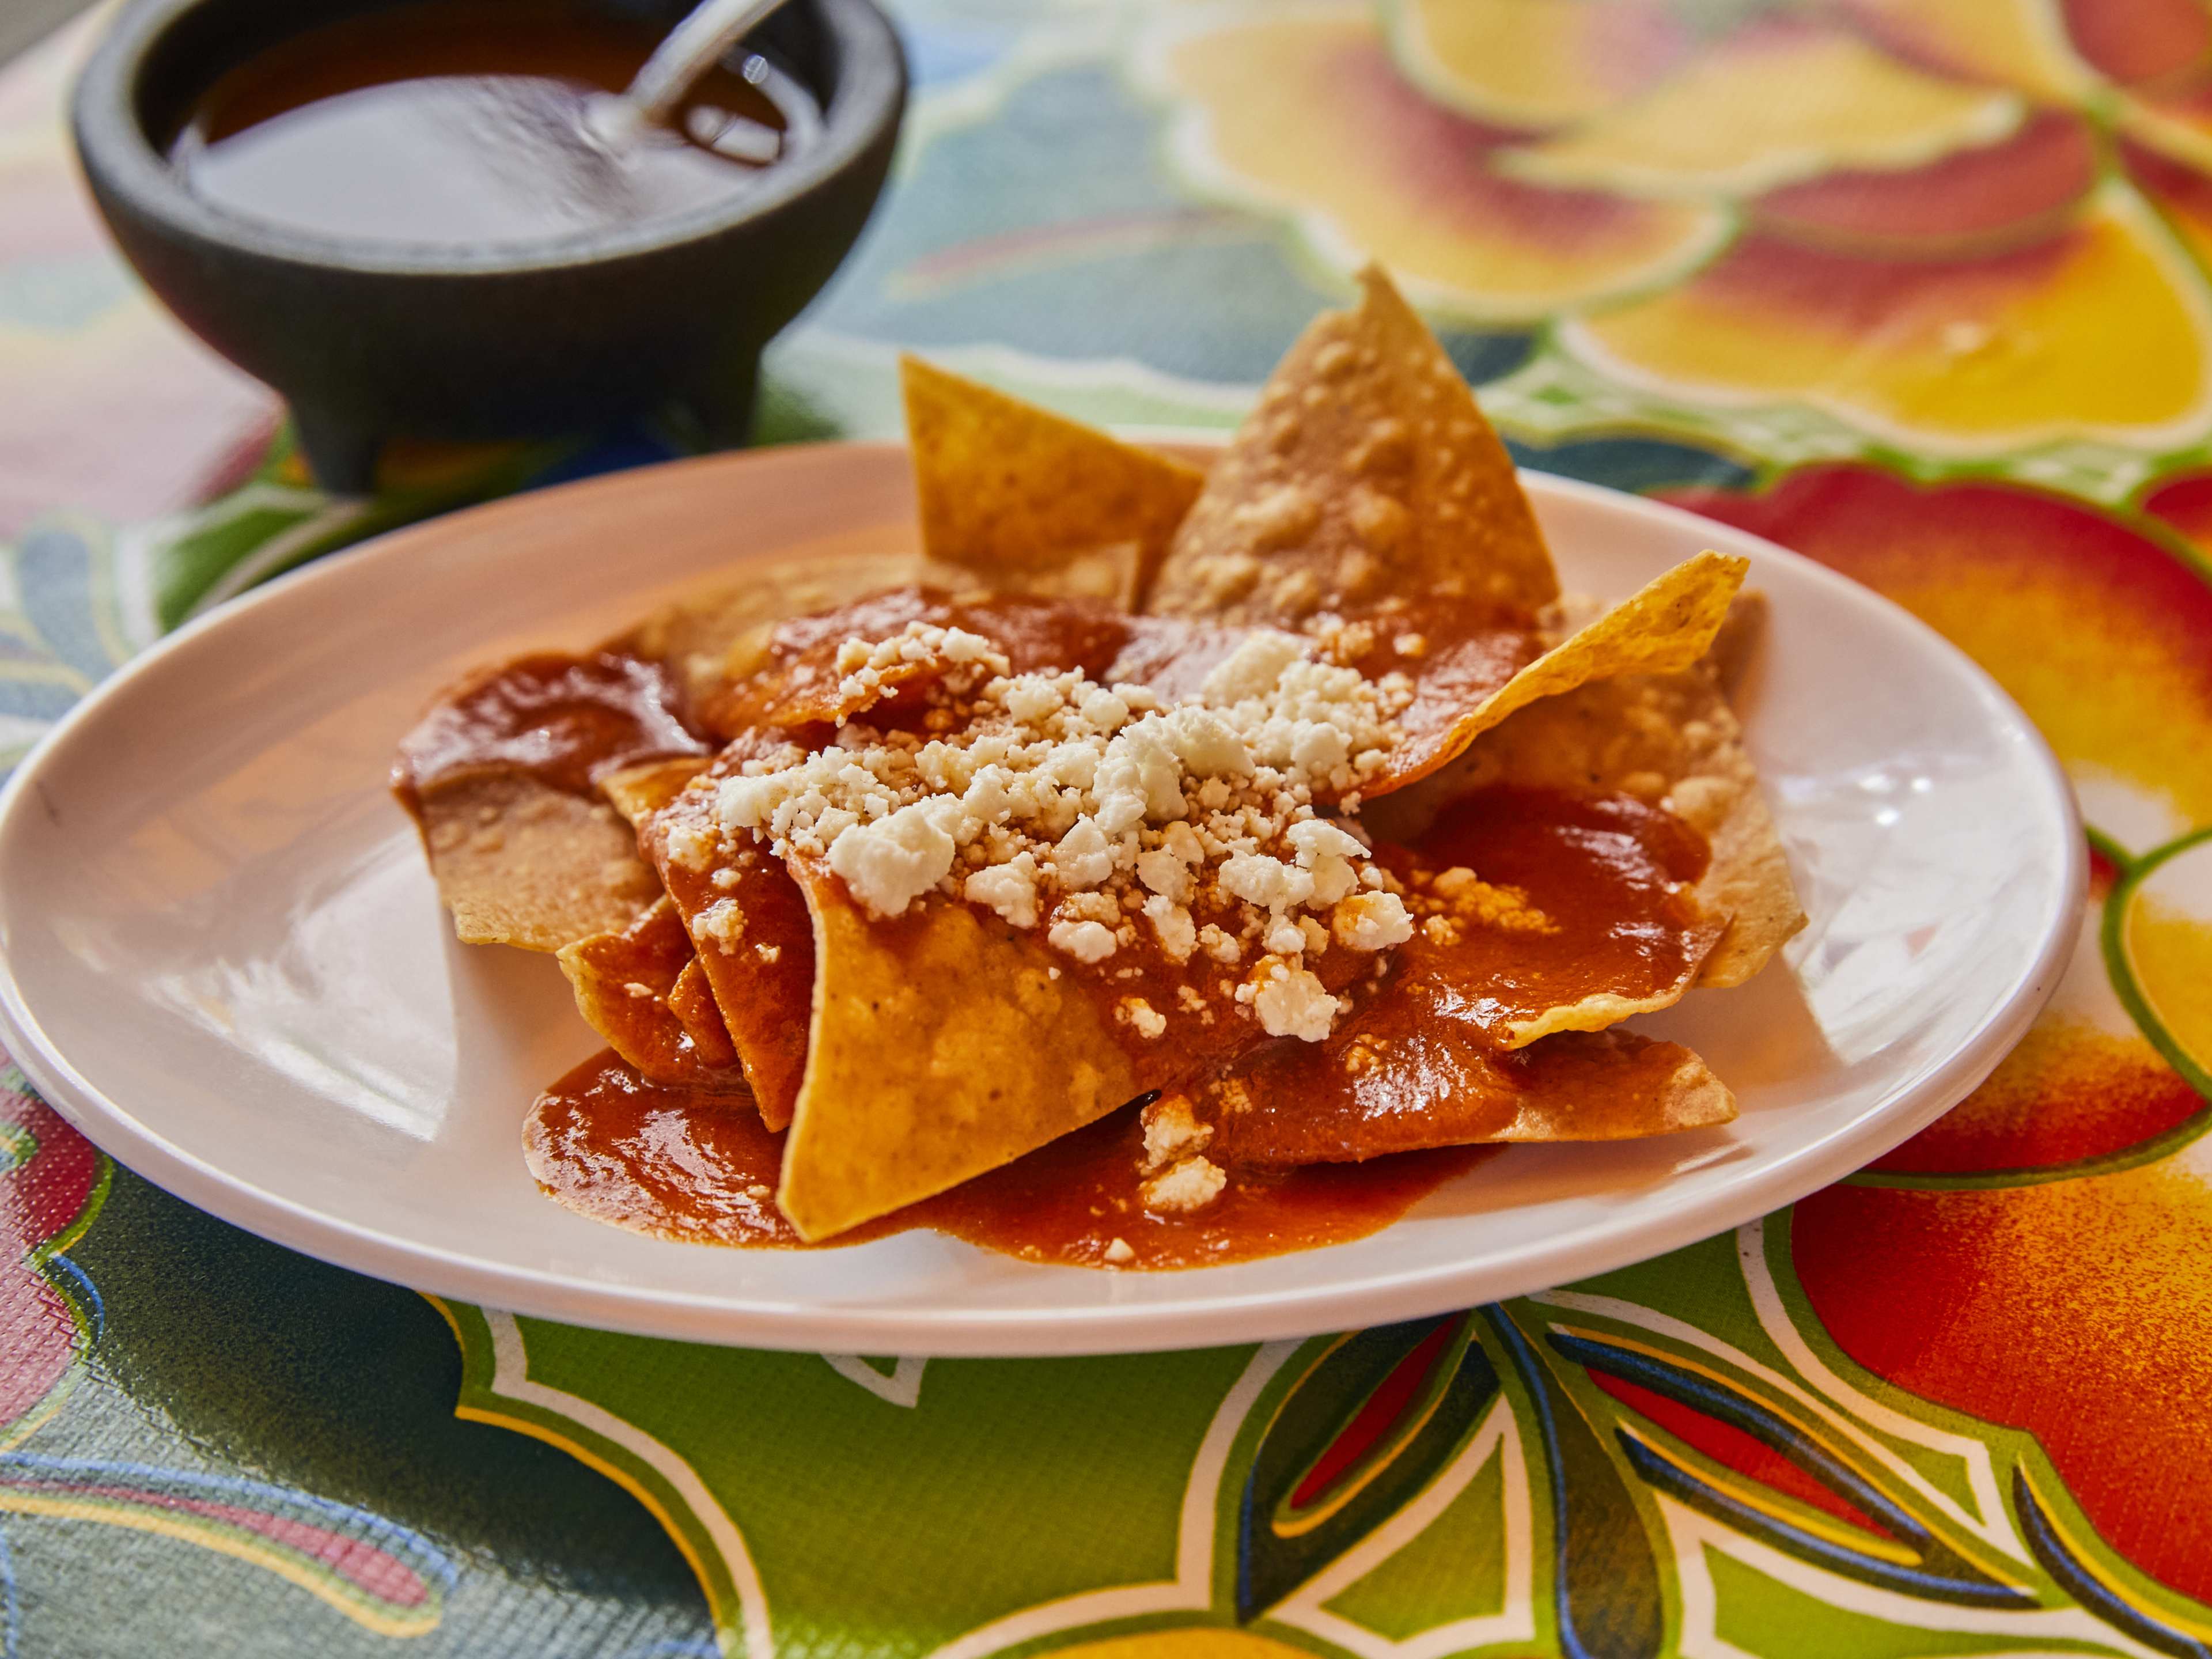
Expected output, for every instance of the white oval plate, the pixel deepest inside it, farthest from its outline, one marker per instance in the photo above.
(226, 963)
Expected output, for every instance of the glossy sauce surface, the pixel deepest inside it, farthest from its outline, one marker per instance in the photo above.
(678, 1164)
(466, 125)
(561, 720)
(1609, 875)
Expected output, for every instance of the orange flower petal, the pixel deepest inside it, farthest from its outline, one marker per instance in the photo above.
(1302, 113)
(2094, 627)
(2101, 333)
(1534, 63)
(1772, 106)
(1972, 202)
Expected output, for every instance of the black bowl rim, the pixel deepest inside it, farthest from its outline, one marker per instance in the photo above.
(116, 152)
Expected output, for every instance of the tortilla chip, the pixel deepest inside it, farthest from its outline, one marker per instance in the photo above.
(1664, 627)
(1366, 470)
(1670, 739)
(754, 939)
(1008, 490)
(1446, 1087)
(636, 791)
(519, 863)
(1737, 643)
(1112, 575)
(691, 999)
(623, 982)
(941, 1046)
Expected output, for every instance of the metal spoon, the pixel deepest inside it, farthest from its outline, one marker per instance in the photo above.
(692, 47)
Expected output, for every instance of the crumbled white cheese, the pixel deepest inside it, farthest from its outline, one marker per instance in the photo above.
(1119, 1253)
(1148, 1021)
(862, 662)
(1290, 1002)
(723, 921)
(1172, 1132)
(891, 862)
(1010, 888)
(1083, 857)
(1041, 792)
(1086, 941)
(692, 845)
(1172, 926)
(1190, 1185)
(1222, 946)
(1371, 922)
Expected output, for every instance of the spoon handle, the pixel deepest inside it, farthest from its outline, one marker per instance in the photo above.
(691, 47)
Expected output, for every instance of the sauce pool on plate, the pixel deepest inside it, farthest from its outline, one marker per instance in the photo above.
(468, 124)
(674, 1162)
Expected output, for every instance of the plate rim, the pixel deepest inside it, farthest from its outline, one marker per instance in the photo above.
(1202, 1321)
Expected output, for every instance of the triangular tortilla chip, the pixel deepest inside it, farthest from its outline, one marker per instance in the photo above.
(1007, 489)
(1666, 627)
(1667, 738)
(519, 863)
(1366, 472)
(942, 1044)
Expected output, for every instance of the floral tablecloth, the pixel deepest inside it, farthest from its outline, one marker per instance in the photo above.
(1916, 287)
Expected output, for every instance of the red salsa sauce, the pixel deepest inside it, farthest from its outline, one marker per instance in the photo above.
(678, 1163)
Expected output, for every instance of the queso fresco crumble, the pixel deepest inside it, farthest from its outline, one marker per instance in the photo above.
(1092, 810)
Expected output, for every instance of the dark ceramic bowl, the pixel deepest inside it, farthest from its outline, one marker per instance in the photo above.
(370, 341)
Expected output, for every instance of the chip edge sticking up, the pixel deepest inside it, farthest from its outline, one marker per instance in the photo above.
(1365, 468)
(1013, 493)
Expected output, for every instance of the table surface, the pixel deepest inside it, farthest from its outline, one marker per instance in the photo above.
(1919, 289)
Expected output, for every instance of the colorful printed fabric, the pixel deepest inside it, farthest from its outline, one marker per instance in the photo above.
(1919, 289)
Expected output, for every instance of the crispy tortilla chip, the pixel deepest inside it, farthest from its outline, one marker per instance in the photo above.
(1738, 641)
(1667, 738)
(1366, 470)
(638, 790)
(519, 863)
(1664, 627)
(754, 939)
(623, 982)
(1446, 1087)
(942, 1046)
(1009, 491)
